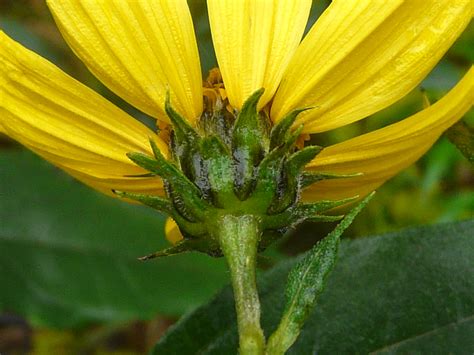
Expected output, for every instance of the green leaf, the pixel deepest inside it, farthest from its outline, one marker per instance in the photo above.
(405, 292)
(68, 255)
(306, 281)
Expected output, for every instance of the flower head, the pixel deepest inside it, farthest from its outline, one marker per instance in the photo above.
(358, 58)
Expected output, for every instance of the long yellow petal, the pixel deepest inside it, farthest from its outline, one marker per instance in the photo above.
(69, 124)
(139, 49)
(362, 56)
(254, 40)
(381, 154)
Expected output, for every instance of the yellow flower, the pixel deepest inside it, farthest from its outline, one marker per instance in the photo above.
(360, 57)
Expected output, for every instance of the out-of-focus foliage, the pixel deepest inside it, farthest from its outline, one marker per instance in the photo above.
(438, 188)
(68, 255)
(462, 136)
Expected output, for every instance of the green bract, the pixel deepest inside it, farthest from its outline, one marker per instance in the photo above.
(232, 164)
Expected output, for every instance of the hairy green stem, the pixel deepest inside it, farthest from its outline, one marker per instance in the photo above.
(239, 237)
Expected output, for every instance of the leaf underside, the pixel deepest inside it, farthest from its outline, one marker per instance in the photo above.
(404, 292)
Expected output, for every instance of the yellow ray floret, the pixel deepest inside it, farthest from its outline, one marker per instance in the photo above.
(383, 153)
(69, 124)
(139, 49)
(172, 232)
(254, 41)
(362, 56)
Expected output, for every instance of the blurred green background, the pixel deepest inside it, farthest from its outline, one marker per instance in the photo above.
(69, 279)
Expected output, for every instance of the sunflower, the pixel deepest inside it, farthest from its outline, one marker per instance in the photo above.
(227, 160)
(357, 59)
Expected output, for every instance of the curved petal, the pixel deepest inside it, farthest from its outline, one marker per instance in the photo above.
(138, 49)
(254, 40)
(69, 124)
(172, 232)
(381, 154)
(362, 56)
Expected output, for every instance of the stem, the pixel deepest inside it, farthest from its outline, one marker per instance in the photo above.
(239, 237)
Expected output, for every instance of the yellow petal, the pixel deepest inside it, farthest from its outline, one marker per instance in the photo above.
(254, 41)
(381, 154)
(362, 56)
(172, 232)
(69, 124)
(138, 49)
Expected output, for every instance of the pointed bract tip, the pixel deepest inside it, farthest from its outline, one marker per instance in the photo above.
(299, 129)
(307, 108)
(136, 157)
(168, 108)
(157, 254)
(324, 218)
(314, 148)
(259, 92)
(253, 99)
(146, 257)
